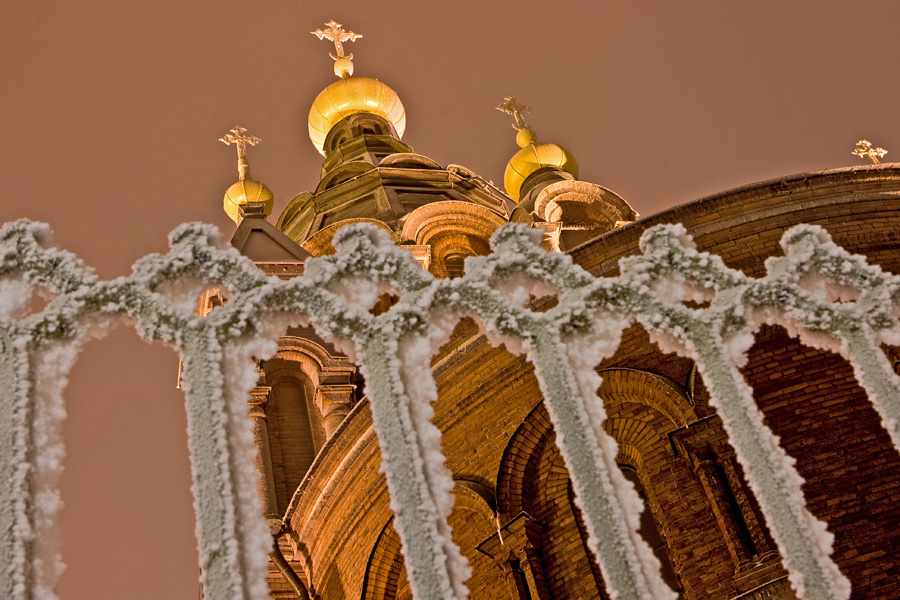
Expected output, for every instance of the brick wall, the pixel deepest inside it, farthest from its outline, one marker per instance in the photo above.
(496, 434)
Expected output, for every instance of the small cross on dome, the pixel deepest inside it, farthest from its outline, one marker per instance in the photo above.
(513, 107)
(238, 136)
(864, 149)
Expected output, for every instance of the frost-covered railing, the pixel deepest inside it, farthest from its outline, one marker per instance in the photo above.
(565, 344)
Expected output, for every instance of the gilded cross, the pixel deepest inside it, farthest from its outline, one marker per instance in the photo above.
(513, 107)
(336, 33)
(864, 149)
(238, 136)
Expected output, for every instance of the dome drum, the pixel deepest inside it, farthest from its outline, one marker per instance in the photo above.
(537, 181)
(532, 158)
(357, 125)
(247, 192)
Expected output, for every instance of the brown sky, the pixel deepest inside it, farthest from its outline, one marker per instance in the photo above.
(112, 111)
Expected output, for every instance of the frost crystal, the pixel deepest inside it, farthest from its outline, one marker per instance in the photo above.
(565, 343)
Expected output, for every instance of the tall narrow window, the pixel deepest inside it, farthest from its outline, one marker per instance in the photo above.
(291, 440)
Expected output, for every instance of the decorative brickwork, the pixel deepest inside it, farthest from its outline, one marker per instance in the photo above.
(670, 424)
(658, 406)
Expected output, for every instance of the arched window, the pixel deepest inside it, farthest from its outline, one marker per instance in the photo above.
(294, 427)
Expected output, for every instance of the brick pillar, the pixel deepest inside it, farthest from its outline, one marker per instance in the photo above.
(421, 253)
(550, 237)
(723, 508)
(534, 573)
(516, 581)
(334, 402)
(749, 511)
(259, 397)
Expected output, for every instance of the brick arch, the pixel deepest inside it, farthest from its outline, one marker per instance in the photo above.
(519, 460)
(295, 425)
(314, 360)
(533, 479)
(473, 521)
(660, 395)
(629, 455)
(385, 575)
(476, 496)
(384, 566)
(605, 207)
(657, 392)
(320, 243)
(551, 480)
(550, 499)
(451, 228)
(638, 433)
(642, 408)
(569, 567)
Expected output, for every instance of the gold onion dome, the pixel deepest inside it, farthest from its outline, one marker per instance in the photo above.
(350, 95)
(532, 156)
(246, 190)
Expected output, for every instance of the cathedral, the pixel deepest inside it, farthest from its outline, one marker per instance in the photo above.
(514, 518)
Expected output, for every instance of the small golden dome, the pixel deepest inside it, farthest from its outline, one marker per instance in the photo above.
(351, 95)
(525, 137)
(343, 67)
(531, 158)
(245, 192)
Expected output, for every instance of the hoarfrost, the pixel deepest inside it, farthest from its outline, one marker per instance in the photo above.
(817, 291)
(51, 376)
(255, 540)
(15, 296)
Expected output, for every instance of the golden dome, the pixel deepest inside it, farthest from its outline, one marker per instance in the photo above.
(245, 192)
(531, 158)
(351, 95)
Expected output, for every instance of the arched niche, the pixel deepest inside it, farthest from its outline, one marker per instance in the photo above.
(453, 230)
(319, 244)
(472, 520)
(642, 408)
(579, 203)
(580, 211)
(309, 393)
(532, 480)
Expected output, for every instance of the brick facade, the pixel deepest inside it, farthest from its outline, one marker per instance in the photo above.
(515, 519)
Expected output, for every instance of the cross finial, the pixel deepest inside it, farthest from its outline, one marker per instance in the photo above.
(335, 32)
(864, 149)
(513, 107)
(238, 136)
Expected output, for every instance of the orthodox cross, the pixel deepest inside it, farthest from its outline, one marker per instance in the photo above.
(513, 107)
(864, 149)
(336, 33)
(238, 136)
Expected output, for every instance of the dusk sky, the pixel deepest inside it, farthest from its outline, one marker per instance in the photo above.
(112, 111)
